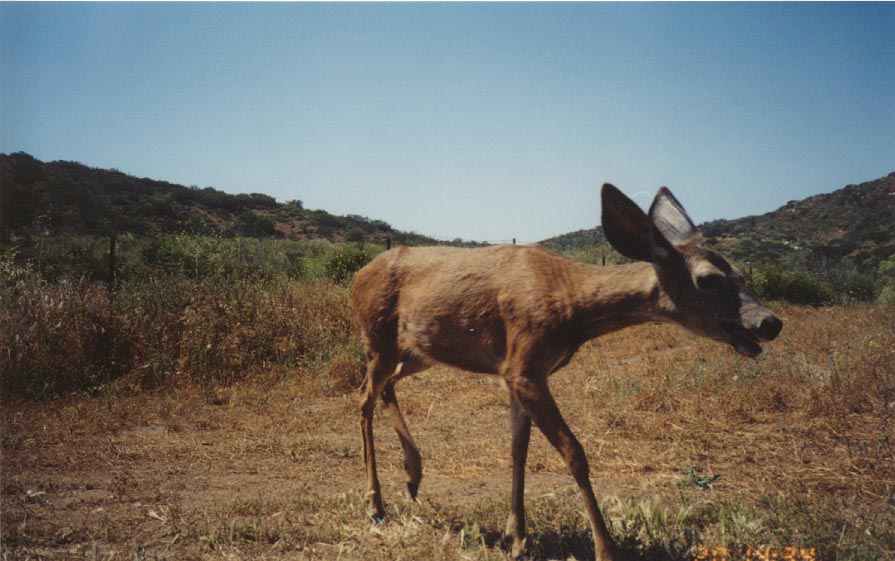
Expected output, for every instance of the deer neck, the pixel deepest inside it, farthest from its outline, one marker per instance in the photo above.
(612, 298)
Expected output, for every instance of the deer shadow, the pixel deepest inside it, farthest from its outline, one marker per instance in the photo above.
(571, 543)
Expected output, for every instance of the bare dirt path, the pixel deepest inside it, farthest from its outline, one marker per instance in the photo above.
(111, 475)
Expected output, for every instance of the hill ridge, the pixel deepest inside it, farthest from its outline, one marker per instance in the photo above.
(65, 197)
(854, 223)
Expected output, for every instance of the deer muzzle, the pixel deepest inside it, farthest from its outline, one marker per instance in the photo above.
(747, 337)
(769, 327)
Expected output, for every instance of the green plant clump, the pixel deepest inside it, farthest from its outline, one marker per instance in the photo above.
(349, 259)
(797, 287)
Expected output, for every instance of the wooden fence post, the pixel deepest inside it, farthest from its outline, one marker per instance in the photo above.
(111, 262)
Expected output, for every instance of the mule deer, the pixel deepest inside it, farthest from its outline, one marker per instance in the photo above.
(522, 312)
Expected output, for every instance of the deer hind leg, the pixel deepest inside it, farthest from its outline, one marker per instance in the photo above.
(520, 428)
(534, 396)
(413, 463)
(376, 379)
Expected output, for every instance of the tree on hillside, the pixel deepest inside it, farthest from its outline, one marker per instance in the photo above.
(253, 225)
(19, 201)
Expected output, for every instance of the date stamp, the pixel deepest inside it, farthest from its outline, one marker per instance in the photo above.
(756, 554)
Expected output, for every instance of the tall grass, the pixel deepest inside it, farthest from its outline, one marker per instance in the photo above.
(200, 309)
(75, 336)
(56, 337)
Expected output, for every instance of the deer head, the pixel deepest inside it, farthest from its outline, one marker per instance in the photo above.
(699, 289)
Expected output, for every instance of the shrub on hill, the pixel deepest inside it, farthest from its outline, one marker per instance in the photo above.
(341, 265)
(254, 225)
(797, 287)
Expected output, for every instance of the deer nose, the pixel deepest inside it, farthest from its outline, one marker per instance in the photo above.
(770, 327)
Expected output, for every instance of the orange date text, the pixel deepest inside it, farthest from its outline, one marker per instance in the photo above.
(756, 554)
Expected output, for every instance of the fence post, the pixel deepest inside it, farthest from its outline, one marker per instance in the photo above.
(111, 262)
(110, 340)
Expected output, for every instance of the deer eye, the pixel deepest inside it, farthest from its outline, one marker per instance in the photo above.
(711, 282)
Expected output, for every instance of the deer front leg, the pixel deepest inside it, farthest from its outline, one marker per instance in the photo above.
(413, 463)
(535, 397)
(520, 427)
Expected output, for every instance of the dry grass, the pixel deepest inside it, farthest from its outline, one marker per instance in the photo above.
(270, 467)
(77, 336)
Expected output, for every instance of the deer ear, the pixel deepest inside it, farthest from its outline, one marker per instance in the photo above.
(670, 218)
(627, 228)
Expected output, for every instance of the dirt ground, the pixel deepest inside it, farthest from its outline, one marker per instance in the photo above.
(275, 469)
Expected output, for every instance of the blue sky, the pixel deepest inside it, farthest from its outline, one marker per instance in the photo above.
(480, 121)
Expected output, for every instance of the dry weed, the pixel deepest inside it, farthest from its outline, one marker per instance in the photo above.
(77, 336)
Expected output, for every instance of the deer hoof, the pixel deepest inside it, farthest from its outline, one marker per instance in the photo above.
(518, 549)
(413, 488)
(375, 512)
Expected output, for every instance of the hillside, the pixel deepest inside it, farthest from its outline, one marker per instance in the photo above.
(855, 223)
(580, 239)
(70, 198)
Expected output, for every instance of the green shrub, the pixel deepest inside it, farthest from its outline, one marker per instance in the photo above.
(885, 274)
(797, 287)
(349, 259)
(854, 286)
(255, 225)
(71, 257)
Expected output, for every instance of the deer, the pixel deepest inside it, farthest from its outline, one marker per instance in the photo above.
(522, 312)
